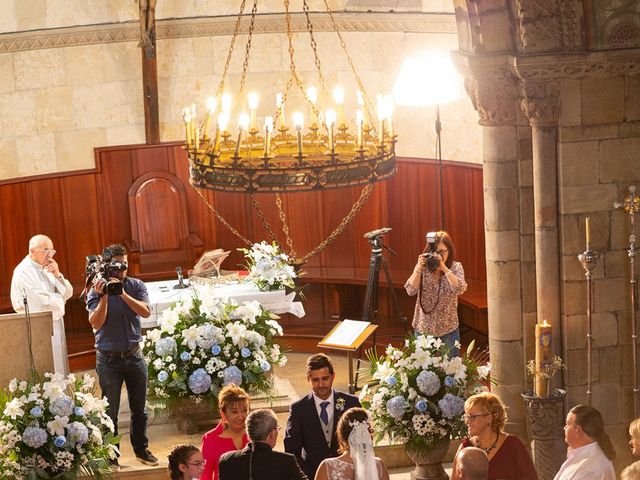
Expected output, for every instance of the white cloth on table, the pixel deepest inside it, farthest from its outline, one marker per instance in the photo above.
(44, 292)
(588, 462)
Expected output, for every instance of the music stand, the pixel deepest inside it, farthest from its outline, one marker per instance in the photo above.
(348, 336)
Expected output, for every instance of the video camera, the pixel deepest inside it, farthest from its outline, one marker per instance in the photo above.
(103, 267)
(432, 260)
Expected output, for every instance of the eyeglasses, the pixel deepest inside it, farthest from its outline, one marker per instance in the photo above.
(47, 251)
(442, 251)
(471, 418)
(277, 428)
(198, 464)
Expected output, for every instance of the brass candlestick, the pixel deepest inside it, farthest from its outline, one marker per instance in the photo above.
(631, 205)
(588, 260)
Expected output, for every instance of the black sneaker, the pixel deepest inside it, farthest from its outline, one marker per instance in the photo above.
(147, 458)
(114, 464)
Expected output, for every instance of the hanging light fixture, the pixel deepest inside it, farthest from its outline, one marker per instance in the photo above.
(242, 145)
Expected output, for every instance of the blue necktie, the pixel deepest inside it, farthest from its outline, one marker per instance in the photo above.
(324, 416)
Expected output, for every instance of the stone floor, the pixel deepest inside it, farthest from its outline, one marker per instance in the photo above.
(163, 435)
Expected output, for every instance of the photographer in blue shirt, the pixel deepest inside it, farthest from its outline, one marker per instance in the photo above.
(115, 304)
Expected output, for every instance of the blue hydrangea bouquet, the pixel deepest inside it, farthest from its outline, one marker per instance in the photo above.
(54, 429)
(269, 268)
(203, 344)
(417, 392)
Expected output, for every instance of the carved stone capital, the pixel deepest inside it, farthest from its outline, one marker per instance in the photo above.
(491, 86)
(540, 102)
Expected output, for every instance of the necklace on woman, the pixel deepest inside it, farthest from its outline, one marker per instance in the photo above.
(491, 447)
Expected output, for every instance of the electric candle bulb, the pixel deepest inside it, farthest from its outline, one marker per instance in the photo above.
(330, 120)
(360, 127)
(243, 124)
(298, 122)
(253, 107)
(338, 97)
(268, 128)
(388, 104)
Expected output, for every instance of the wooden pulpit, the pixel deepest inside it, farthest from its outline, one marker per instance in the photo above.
(14, 346)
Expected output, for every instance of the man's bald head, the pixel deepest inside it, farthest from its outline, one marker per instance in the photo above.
(473, 464)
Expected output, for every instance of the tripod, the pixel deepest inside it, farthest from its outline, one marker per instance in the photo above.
(370, 307)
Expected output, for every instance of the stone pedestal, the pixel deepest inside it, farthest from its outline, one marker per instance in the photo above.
(429, 461)
(545, 425)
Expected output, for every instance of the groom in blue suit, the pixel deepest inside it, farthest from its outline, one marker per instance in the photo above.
(311, 428)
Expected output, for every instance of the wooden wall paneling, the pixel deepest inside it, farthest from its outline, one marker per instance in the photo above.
(412, 212)
(201, 219)
(80, 203)
(16, 223)
(338, 258)
(113, 184)
(149, 159)
(235, 209)
(374, 215)
(48, 215)
(303, 213)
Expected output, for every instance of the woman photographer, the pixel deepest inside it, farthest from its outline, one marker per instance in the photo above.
(438, 280)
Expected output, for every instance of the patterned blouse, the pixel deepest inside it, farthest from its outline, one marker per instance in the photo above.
(436, 310)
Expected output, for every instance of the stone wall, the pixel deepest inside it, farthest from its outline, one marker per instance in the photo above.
(71, 85)
(599, 157)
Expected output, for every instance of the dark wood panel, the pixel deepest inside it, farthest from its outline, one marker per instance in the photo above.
(84, 211)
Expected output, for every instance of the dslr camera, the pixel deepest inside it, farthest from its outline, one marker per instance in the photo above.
(431, 259)
(103, 267)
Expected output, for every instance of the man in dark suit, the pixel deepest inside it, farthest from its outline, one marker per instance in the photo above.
(257, 461)
(311, 428)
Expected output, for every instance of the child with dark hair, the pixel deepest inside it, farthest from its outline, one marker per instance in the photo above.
(185, 463)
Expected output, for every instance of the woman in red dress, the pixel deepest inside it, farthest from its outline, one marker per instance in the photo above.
(509, 459)
(230, 433)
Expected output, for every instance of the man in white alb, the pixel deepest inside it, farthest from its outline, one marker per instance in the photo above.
(38, 278)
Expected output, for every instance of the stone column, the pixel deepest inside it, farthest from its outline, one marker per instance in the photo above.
(540, 104)
(493, 91)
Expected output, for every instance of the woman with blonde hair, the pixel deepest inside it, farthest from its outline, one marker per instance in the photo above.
(230, 434)
(357, 460)
(509, 459)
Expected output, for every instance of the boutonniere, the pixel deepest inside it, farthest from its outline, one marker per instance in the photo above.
(340, 404)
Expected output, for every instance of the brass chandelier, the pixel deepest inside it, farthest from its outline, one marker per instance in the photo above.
(326, 148)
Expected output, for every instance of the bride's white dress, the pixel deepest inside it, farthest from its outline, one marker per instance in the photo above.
(340, 470)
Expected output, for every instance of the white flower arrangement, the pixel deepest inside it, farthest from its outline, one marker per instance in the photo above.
(417, 392)
(205, 344)
(54, 429)
(269, 268)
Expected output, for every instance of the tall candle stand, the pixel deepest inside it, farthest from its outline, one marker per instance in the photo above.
(631, 205)
(589, 259)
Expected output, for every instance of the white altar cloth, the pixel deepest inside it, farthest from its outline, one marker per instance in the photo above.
(162, 295)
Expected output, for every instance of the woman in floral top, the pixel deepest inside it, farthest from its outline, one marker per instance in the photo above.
(436, 310)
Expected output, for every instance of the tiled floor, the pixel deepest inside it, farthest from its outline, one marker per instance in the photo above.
(164, 436)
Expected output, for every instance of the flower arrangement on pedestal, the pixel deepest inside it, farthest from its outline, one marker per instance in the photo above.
(54, 429)
(205, 344)
(269, 268)
(417, 393)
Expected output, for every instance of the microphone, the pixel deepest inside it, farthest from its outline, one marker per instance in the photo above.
(180, 279)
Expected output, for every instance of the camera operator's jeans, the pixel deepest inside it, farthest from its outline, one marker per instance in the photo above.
(132, 371)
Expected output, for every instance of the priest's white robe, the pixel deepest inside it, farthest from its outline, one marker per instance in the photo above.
(44, 292)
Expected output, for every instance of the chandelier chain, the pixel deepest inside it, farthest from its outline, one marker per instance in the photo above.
(356, 207)
(222, 220)
(367, 102)
(285, 227)
(236, 29)
(245, 64)
(262, 217)
(314, 47)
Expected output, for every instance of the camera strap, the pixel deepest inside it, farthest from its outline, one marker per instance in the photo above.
(437, 296)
